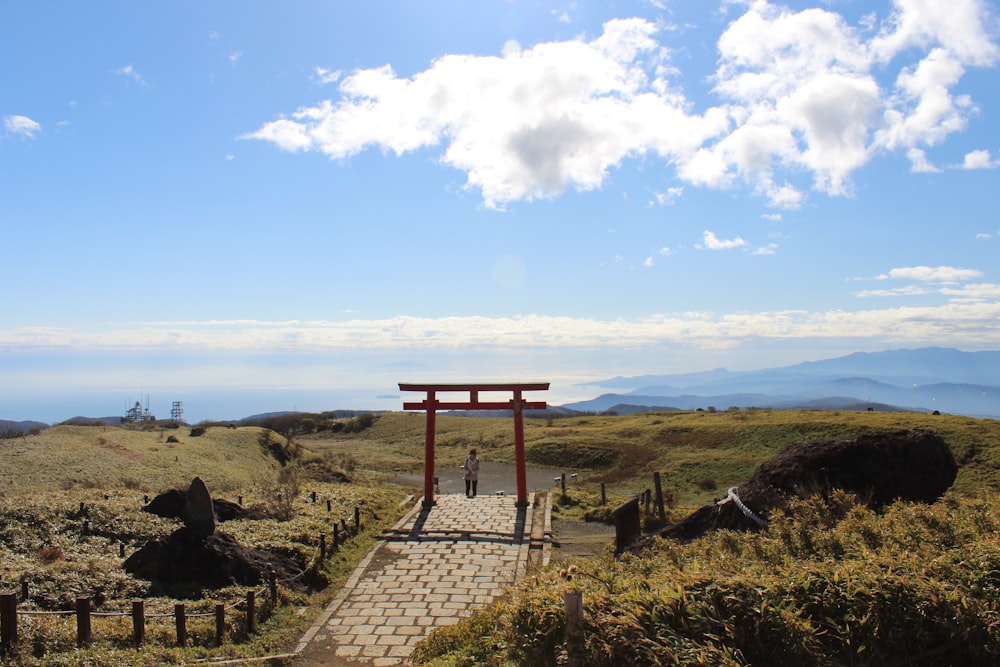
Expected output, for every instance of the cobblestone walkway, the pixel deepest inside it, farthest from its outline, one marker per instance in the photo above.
(433, 568)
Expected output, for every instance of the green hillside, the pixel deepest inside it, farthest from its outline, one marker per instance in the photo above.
(113, 457)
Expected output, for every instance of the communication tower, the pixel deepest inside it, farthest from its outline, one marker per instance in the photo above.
(177, 411)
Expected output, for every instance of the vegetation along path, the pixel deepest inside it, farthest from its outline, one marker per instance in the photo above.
(433, 568)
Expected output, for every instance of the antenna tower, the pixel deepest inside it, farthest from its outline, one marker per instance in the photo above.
(177, 411)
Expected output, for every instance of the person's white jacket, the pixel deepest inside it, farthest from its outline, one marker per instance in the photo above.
(471, 469)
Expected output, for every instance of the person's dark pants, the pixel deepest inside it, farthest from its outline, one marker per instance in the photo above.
(470, 484)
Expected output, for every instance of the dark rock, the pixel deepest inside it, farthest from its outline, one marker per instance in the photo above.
(199, 514)
(171, 504)
(213, 561)
(879, 468)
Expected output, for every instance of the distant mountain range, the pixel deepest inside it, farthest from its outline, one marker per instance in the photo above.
(921, 380)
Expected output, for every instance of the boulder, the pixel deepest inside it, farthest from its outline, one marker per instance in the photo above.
(171, 505)
(879, 468)
(215, 561)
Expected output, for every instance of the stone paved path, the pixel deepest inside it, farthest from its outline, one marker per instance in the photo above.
(433, 568)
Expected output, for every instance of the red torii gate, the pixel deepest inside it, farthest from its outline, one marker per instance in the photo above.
(431, 405)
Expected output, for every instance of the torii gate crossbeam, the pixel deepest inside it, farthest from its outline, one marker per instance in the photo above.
(431, 405)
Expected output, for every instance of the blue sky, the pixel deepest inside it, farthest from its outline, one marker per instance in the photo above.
(258, 206)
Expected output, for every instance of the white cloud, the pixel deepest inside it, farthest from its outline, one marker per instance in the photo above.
(648, 262)
(909, 290)
(799, 98)
(972, 317)
(979, 160)
(325, 75)
(919, 164)
(234, 57)
(769, 249)
(983, 236)
(666, 250)
(773, 217)
(21, 126)
(940, 274)
(668, 197)
(129, 72)
(712, 242)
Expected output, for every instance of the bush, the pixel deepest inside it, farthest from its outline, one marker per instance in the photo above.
(828, 583)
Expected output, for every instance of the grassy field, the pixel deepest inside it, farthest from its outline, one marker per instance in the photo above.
(45, 479)
(112, 457)
(697, 453)
(824, 585)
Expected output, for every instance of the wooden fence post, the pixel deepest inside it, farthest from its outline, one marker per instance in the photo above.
(329, 504)
(251, 612)
(357, 520)
(314, 496)
(180, 621)
(138, 622)
(573, 601)
(220, 623)
(562, 483)
(604, 495)
(8, 622)
(336, 536)
(83, 635)
(659, 498)
(322, 547)
(24, 589)
(272, 583)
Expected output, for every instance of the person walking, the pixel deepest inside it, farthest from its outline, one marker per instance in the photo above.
(470, 471)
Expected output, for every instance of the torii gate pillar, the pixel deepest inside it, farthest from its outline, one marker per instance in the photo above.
(517, 404)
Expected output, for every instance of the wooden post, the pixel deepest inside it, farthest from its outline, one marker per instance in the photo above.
(251, 612)
(24, 589)
(220, 623)
(562, 483)
(322, 547)
(83, 509)
(121, 550)
(180, 621)
(239, 500)
(272, 583)
(86, 526)
(573, 601)
(357, 520)
(329, 504)
(8, 622)
(83, 636)
(519, 459)
(336, 536)
(659, 498)
(138, 622)
(430, 404)
(604, 495)
(314, 496)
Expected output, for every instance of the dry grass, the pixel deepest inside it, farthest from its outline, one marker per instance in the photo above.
(696, 453)
(113, 457)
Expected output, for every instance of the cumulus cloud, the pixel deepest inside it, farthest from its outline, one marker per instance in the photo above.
(919, 164)
(803, 100)
(979, 160)
(21, 126)
(713, 242)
